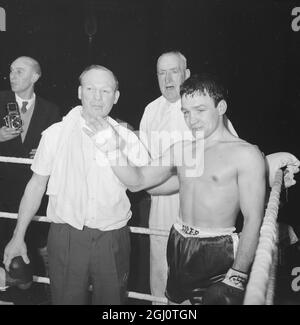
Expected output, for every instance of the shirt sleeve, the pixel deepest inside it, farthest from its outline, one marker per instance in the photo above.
(143, 132)
(44, 157)
(229, 126)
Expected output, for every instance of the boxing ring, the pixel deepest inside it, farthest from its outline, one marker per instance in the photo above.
(262, 279)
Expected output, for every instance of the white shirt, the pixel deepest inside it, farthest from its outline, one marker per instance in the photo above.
(162, 116)
(107, 205)
(26, 117)
(30, 101)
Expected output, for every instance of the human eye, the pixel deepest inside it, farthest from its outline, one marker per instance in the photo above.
(201, 109)
(106, 91)
(185, 113)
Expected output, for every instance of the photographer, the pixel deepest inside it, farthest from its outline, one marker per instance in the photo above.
(34, 114)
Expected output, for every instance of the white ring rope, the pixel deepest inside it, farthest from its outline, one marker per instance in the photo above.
(272, 276)
(264, 263)
(16, 160)
(130, 294)
(135, 230)
(260, 288)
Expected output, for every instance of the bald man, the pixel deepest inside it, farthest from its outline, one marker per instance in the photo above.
(36, 114)
(88, 240)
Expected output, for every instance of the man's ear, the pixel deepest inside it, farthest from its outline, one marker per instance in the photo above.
(187, 73)
(79, 92)
(222, 107)
(35, 77)
(117, 95)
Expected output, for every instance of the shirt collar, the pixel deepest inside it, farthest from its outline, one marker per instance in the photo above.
(30, 101)
(169, 107)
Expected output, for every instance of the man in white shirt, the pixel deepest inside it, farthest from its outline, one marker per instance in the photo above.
(88, 241)
(164, 115)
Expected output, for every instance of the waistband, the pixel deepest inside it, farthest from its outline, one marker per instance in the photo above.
(189, 231)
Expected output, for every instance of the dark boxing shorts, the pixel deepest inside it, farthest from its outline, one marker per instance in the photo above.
(196, 259)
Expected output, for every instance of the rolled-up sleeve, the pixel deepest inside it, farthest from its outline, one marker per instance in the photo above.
(44, 157)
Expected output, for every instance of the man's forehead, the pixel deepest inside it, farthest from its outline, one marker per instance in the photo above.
(197, 96)
(21, 63)
(97, 76)
(169, 60)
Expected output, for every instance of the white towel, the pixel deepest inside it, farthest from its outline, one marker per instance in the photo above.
(68, 180)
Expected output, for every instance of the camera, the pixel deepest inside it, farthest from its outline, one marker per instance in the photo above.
(13, 118)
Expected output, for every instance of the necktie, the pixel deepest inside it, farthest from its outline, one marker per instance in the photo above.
(23, 108)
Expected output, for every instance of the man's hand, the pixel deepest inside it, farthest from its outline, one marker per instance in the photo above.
(105, 136)
(16, 247)
(230, 291)
(8, 133)
(283, 159)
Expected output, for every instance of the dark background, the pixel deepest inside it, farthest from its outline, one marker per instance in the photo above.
(249, 43)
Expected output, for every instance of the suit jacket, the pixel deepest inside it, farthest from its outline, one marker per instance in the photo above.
(14, 177)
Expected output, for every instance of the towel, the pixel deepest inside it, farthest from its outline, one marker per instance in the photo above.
(68, 180)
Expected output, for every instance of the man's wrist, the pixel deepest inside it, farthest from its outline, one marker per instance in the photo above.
(236, 278)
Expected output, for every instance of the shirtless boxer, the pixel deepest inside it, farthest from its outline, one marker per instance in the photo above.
(203, 249)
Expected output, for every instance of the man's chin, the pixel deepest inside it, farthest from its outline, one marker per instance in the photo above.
(101, 114)
(198, 135)
(172, 98)
(14, 88)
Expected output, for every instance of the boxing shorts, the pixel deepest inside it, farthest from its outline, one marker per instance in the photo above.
(197, 258)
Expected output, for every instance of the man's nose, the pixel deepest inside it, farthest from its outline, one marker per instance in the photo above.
(169, 77)
(98, 94)
(193, 118)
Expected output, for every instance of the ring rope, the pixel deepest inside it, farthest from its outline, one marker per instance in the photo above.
(16, 160)
(135, 230)
(264, 264)
(272, 277)
(130, 294)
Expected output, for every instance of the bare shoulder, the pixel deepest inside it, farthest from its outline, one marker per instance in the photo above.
(248, 155)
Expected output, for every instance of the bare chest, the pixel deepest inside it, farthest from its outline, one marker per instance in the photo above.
(218, 169)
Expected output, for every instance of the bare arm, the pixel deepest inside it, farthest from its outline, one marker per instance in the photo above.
(171, 186)
(251, 183)
(139, 178)
(29, 205)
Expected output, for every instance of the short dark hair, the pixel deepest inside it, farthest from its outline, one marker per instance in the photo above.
(98, 67)
(205, 83)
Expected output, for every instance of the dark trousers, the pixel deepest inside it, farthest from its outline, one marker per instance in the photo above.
(78, 258)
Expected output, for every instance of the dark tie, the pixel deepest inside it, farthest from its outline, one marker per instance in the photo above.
(23, 108)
